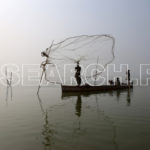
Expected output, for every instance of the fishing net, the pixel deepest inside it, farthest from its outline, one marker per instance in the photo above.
(92, 52)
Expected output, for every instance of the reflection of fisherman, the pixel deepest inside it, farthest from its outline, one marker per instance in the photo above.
(78, 106)
(128, 98)
(77, 74)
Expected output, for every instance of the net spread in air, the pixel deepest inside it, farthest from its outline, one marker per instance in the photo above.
(92, 52)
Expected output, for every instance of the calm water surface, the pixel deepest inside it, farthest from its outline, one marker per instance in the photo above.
(52, 121)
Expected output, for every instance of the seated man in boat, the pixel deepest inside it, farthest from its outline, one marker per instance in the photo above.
(78, 74)
(111, 82)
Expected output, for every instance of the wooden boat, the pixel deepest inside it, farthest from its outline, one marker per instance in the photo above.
(88, 88)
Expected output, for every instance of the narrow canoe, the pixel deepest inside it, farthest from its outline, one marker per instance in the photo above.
(87, 88)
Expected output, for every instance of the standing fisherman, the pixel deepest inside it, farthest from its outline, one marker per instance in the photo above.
(78, 74)
(128, 77)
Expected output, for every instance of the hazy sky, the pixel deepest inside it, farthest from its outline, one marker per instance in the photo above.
(28, 26)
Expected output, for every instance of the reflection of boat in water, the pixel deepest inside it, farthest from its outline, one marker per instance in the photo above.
(79, 109)
(81, 118)
(67, 95)
(71, 94)
(81, 99)
(88, 88)
(78, 106)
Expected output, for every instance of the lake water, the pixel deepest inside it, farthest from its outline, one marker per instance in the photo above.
(52, 121)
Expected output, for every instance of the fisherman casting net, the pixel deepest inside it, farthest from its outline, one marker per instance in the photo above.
(87, 50)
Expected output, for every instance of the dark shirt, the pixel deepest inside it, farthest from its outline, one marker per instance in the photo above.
(78, 69)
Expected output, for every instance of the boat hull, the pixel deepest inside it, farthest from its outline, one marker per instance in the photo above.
(88, 88)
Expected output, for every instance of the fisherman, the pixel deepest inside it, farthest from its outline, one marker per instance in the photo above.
(111, 82)
(78, 73)
(128, 77)
(118, 82)
(44, 54)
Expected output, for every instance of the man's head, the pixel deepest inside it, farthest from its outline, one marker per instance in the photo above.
(77, 63)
